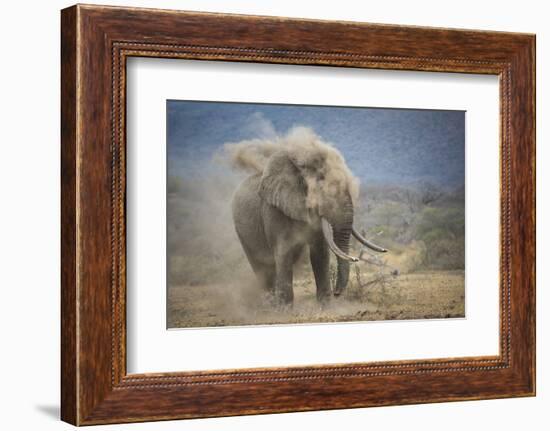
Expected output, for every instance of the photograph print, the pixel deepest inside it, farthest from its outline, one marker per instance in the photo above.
(293, 214)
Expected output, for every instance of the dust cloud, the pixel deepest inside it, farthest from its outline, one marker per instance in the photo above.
(322, 166)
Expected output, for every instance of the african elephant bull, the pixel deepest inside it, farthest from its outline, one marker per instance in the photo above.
(302, 197)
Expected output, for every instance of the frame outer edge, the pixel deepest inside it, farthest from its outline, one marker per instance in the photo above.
(524, 203)
(533, 54)
(531, 83)
(532, 101)
(69, 201)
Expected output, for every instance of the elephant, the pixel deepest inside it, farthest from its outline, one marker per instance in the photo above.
(301, 198)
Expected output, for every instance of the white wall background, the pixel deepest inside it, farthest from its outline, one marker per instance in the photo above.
(29, 216)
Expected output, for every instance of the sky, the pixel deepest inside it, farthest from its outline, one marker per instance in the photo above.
(380, 145)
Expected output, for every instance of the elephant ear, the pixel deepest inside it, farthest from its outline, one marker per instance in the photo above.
(283, 186)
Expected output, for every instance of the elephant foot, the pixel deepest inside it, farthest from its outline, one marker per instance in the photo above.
(283, 303)
(324, 297)
(284, 307)
(268, 298)
(284, 298)
(277, 302)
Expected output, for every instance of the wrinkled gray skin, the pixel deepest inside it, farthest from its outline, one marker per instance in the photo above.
(274, 225)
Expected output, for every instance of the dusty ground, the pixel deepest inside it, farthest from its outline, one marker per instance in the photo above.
(370, 296)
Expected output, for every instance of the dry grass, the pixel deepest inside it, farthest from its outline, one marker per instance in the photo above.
(371, 295)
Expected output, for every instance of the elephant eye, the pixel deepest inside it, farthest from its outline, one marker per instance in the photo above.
(321, 177)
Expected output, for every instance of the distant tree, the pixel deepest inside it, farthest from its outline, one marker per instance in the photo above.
(429, 193)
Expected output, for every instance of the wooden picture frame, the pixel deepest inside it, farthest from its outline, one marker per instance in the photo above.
(95, 43)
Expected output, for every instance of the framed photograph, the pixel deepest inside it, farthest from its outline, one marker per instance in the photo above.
(263, 214)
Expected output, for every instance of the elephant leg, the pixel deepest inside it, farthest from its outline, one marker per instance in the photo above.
(265, 273)
(267, 277)
(284, 294)
(320, 263)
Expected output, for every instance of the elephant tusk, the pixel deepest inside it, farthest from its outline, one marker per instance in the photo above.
(327, 233)
(366, 242)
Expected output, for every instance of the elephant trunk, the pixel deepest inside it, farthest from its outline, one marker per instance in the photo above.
(343, 264)
(337, 230)
(342, 231)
